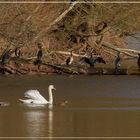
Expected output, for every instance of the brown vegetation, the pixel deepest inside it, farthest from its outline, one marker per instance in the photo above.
(65, 27)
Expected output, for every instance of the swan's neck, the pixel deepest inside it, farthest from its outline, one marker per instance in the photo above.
(50, 96)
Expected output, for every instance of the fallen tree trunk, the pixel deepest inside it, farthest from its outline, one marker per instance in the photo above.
(10, 70)
(129, 50)
(74, 54)
(63, 69)
(110, 46)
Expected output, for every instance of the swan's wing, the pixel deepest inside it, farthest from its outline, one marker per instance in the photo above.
(28, 101)
(35, 95)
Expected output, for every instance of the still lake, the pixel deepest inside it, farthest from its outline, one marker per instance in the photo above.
(98, 106)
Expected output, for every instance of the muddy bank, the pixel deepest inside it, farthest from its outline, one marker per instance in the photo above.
(28, 68)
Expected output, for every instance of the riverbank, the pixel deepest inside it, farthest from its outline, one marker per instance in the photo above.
(27, 67)
(43, 45)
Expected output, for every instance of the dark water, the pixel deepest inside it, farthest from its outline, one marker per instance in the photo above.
(98, 106)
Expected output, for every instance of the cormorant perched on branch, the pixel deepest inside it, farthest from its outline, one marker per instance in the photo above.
(89, 61)
(99, 60)
(92, 61)
(17, 52)
(39, 55)
(138, 62)
(117, 63)
(71, 1)
(69, 59)
(6, 57)
(40, 52)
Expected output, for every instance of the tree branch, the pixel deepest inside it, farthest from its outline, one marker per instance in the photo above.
(41, 33)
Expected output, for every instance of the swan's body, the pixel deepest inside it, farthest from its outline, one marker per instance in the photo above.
(34, 97)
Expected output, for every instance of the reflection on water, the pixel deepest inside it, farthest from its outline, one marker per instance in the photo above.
(98, 106)
(35, 122)
(50, 120)
(118, 108)
(37, 119)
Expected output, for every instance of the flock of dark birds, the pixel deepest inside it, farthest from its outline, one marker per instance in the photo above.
(91, 60)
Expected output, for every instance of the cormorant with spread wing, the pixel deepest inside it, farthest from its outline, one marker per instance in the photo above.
(91, 61)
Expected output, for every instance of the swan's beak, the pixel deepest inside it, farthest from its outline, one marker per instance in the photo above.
(54, 88)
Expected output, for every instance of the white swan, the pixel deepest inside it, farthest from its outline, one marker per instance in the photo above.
(36, 98)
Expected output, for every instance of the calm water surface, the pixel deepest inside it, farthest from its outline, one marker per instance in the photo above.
(98, 106)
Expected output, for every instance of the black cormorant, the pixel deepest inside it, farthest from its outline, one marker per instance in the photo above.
(89, 61)
(138, 62)
(92, 61)
(40, 52)
(71, 1)
(69, 59)
(6, 57)
(117, 63)
(39, 55)
(99, 60)
(17, 52)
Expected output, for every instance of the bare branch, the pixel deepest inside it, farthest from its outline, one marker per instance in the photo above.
(55, 21)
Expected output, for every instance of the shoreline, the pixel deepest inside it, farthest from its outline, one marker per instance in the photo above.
(66, 70)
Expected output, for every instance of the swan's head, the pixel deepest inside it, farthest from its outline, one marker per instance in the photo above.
(52, 87)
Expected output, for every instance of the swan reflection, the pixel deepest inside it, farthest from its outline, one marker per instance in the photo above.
(39, 122)
(50, 121)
